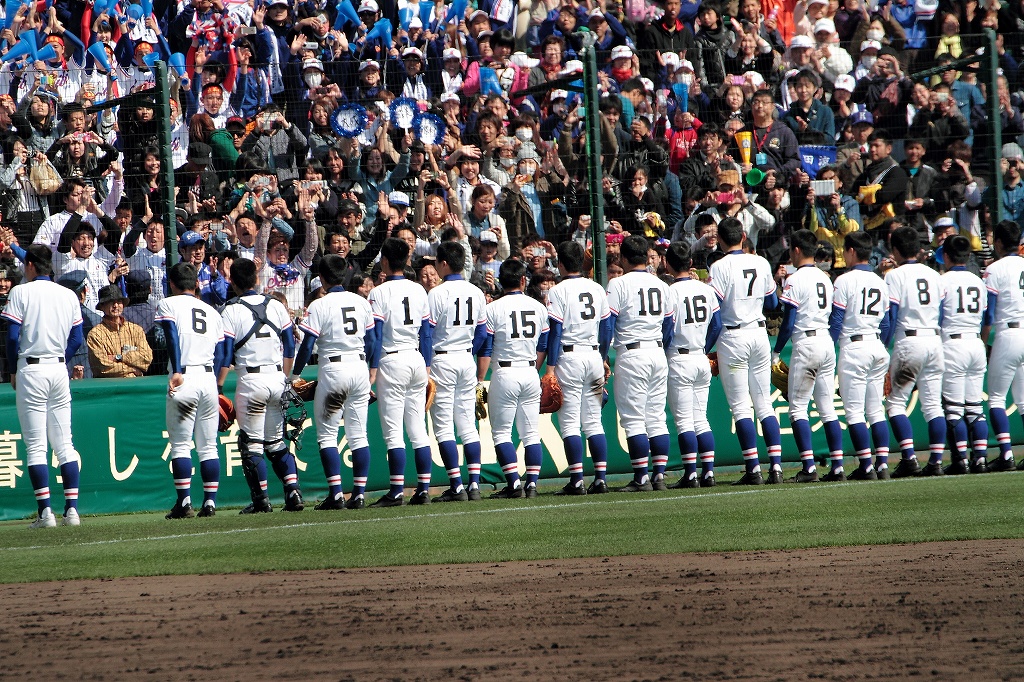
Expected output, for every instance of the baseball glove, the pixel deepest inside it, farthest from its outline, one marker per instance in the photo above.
(550, 394)
(887, 387)
(713, 359)
(227, 413)
(431, 391)
(304, 389)
(780, 378)
(481, 401)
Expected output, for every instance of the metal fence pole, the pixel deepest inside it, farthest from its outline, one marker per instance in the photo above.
(592, 100)
(163, 113)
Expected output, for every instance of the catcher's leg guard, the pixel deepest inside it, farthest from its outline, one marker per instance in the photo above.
(254, 468)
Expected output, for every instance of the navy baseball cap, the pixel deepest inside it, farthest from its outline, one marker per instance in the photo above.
(861, 117)
(74, 280)
(190, 238)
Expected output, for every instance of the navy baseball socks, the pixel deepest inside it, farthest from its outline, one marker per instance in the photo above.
(283, 463)
(706, 450)
(330, 458)
(1001, 425)
(209, 471)
(834, 440)
(880, 437)
(860, 436)
(639, 447)
(181, 470)
(360, 471)
(688, 451)
(574, 457)
(660, 446)
(423, 465)
(599, 454)
(901, 428)
(506, 454)
(802, 436)
(396, 470)
(450, 458)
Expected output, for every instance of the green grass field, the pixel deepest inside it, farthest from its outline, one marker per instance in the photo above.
(720, 519)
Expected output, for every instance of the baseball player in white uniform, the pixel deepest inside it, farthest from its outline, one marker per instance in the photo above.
(641, 319)
(517, 337)
(342, 327)
(402, 318)
(915, 300)
(195, 348)
(744, 285)
(459, 327)
(1005, 314)
(579, 323)
(697, 322)
(963, 308)
(260, 343)
(807, 305)
(860, 302)
(44, 327)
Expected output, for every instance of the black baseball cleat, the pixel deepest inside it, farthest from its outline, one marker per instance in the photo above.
(331, 503)
(956, 468)
(658, 483)
(931, 469)
(207, 511)
(421, 497)
(531, 491)
(474, 494)
(1001, 464)
(883, 474)
(356, 502)
(180, 511)
(1020, 466)
(834, 477)
(293, 502)
(634, 487)
(690, 481)
(260, 506)
(508, 493)
(452, 496)
(708, 480)
(388, 501)
(861, 474)
(805, 477)
(751, 478)
(906, 467)
(572, 489)
(979, 466)
(775, 477)
(598, 487)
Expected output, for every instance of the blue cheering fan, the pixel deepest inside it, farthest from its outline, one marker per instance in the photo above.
(429, 128)
(403, 112)
(349, 120)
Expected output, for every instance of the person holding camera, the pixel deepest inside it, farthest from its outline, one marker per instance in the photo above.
(279, 142)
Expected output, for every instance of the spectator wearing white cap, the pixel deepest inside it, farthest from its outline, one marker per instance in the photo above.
(621, 68)
(407, 74)
(841, 104)
(452, 75)
(869, 50)
(610, 33)
(833, 59)
(805, 14)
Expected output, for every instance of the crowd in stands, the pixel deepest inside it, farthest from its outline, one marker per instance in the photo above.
(784, 114)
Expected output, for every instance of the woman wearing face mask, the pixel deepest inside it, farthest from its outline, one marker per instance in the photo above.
(886, 32)
(530, 203)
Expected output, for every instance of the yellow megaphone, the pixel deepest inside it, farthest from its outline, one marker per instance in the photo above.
(754, 177)
(745, 141)
(866, 195)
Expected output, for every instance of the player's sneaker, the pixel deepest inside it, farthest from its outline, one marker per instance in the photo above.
(573, 489)
(751, 478)
(598, 487)
(531, 491)
(979, 466)
(956, 468)
(452, 496)
(834, 477)
(634, 487)
(356, 502)
(883, 474)
(1001, 464)
(421, 497)
(708, 480)
(180, 511)
(45, 519)
(690, 481)
(331, 503)
(775, 477)
(260, 506)
(906, 467)
(207, 510)
(71, 518)
(293, 501)
(388, 501)
(508, 493)
(861, 474)
(658, 483)
(805, 477)
(931, 469)
(474, 493)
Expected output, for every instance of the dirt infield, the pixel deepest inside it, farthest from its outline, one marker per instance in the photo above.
(940, 611)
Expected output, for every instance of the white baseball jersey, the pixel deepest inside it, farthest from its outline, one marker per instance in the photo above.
(456, 308)
(742, 280)
(96, 267)
(579, 304)
(964, 300)
(809, 290)
(200, 328)
(263, 347)
(1005, 278)
(640, 300)
(51, 229)
(291, 282)
(44, 328)
(401, 305)
(340, 320)
(144, 260)
(693, 303)
(516, 321)
(864, 298)
(916, 289)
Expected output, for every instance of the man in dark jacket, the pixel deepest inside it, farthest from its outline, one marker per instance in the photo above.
(774, 145)
(667, 34)
(881, 170)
